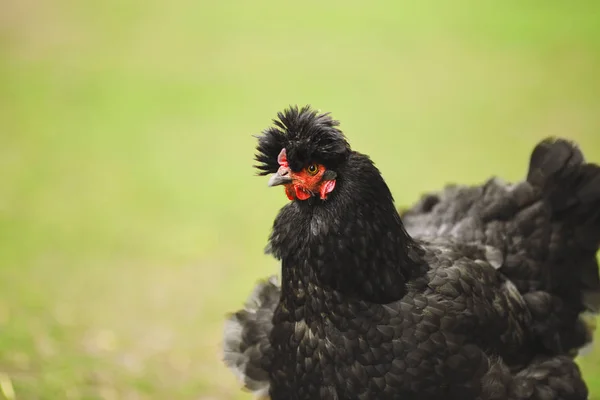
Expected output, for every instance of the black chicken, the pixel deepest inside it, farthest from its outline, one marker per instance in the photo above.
(366, 311)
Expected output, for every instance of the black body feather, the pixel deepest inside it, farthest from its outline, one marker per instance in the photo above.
(543, 234)
(367, 311)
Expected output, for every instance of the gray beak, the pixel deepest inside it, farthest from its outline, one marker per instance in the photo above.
(281, 177)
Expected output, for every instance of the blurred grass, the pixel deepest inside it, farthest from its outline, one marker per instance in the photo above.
(129, 218)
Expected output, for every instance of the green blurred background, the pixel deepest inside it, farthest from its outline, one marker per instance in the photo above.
(130, 220)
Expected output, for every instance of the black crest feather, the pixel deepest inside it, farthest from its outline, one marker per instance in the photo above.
(307, 136)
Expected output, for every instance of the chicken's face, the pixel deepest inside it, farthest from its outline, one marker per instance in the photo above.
(304, 152)
(312, 180)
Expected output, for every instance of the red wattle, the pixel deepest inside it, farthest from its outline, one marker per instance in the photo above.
(326, 188)
(301, 194)
(289, 192)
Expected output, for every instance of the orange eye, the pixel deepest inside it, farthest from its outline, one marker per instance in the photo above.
(312, 169)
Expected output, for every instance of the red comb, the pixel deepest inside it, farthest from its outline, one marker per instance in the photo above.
(282, 158)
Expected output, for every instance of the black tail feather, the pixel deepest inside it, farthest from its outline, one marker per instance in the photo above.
(571, 188)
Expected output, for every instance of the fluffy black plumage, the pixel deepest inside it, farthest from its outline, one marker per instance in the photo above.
(306, 135)
(543, 233)
(365, 311)
(247, 346)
